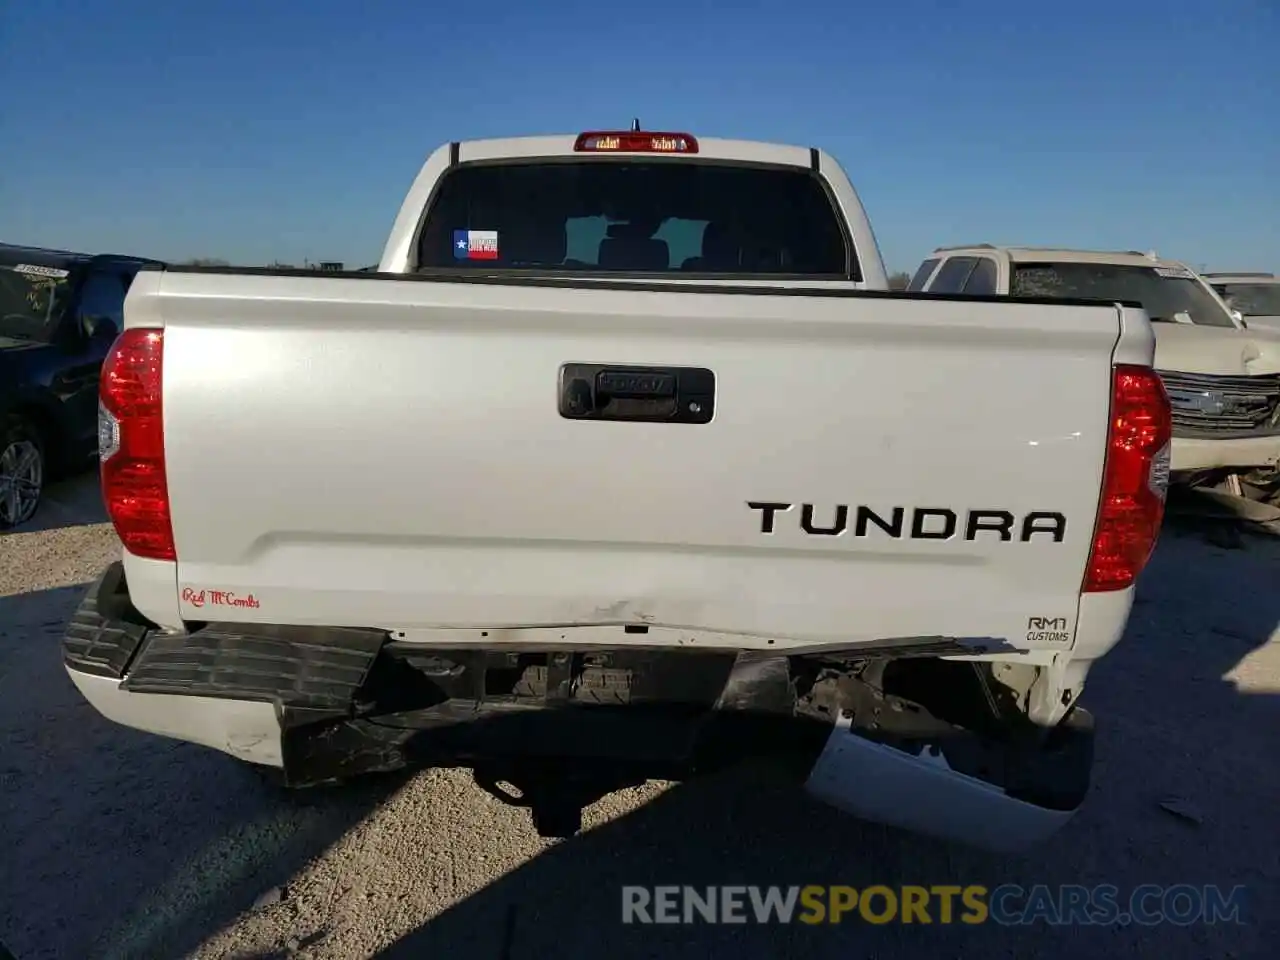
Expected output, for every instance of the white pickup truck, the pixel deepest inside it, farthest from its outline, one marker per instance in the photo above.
(1223, 380)
(627, 464)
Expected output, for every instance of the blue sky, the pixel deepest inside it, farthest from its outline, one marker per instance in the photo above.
(254, 131)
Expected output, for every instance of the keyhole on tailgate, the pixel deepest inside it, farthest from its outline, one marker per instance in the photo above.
(578, 396)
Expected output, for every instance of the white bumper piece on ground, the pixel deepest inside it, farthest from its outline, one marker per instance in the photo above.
(880, 783)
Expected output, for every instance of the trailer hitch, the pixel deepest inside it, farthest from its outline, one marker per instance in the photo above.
(555, 793)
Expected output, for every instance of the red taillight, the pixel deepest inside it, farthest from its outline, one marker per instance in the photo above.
(603, 141)
(1135, 480)
(131, 444)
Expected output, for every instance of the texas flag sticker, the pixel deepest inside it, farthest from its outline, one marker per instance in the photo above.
(475, 244)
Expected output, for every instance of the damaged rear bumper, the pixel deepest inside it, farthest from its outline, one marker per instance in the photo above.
(324, 704)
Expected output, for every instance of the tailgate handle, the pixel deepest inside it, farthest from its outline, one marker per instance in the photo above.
(598, 391)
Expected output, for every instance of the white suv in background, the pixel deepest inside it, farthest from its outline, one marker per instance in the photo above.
(1223, 379)
(1253, 297)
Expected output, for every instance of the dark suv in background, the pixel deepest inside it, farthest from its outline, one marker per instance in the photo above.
(59, 314)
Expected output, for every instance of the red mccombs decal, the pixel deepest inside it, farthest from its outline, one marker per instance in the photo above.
(218, 598)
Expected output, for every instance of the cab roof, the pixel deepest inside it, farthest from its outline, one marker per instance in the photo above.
(563, 145)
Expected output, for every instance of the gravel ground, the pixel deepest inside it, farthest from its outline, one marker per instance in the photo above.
(121, 845)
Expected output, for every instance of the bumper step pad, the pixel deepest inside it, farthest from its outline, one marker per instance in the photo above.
(100, 643)
(319, 668)
(306, 668)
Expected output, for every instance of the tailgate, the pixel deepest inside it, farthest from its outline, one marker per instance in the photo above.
(392, 453)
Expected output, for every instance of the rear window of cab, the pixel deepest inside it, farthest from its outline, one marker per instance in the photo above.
(636, 215)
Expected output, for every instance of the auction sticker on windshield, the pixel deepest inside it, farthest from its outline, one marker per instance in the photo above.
(1174, 273)
(39, 271)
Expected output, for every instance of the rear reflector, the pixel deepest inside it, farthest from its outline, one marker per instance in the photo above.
(131, 444)
(602, 141)
(1135, 480)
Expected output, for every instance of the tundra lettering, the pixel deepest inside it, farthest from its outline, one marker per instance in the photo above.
(927, 523)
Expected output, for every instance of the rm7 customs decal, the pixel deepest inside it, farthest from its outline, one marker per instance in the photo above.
(1048, 630)
(218, 598)
(475, 244)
